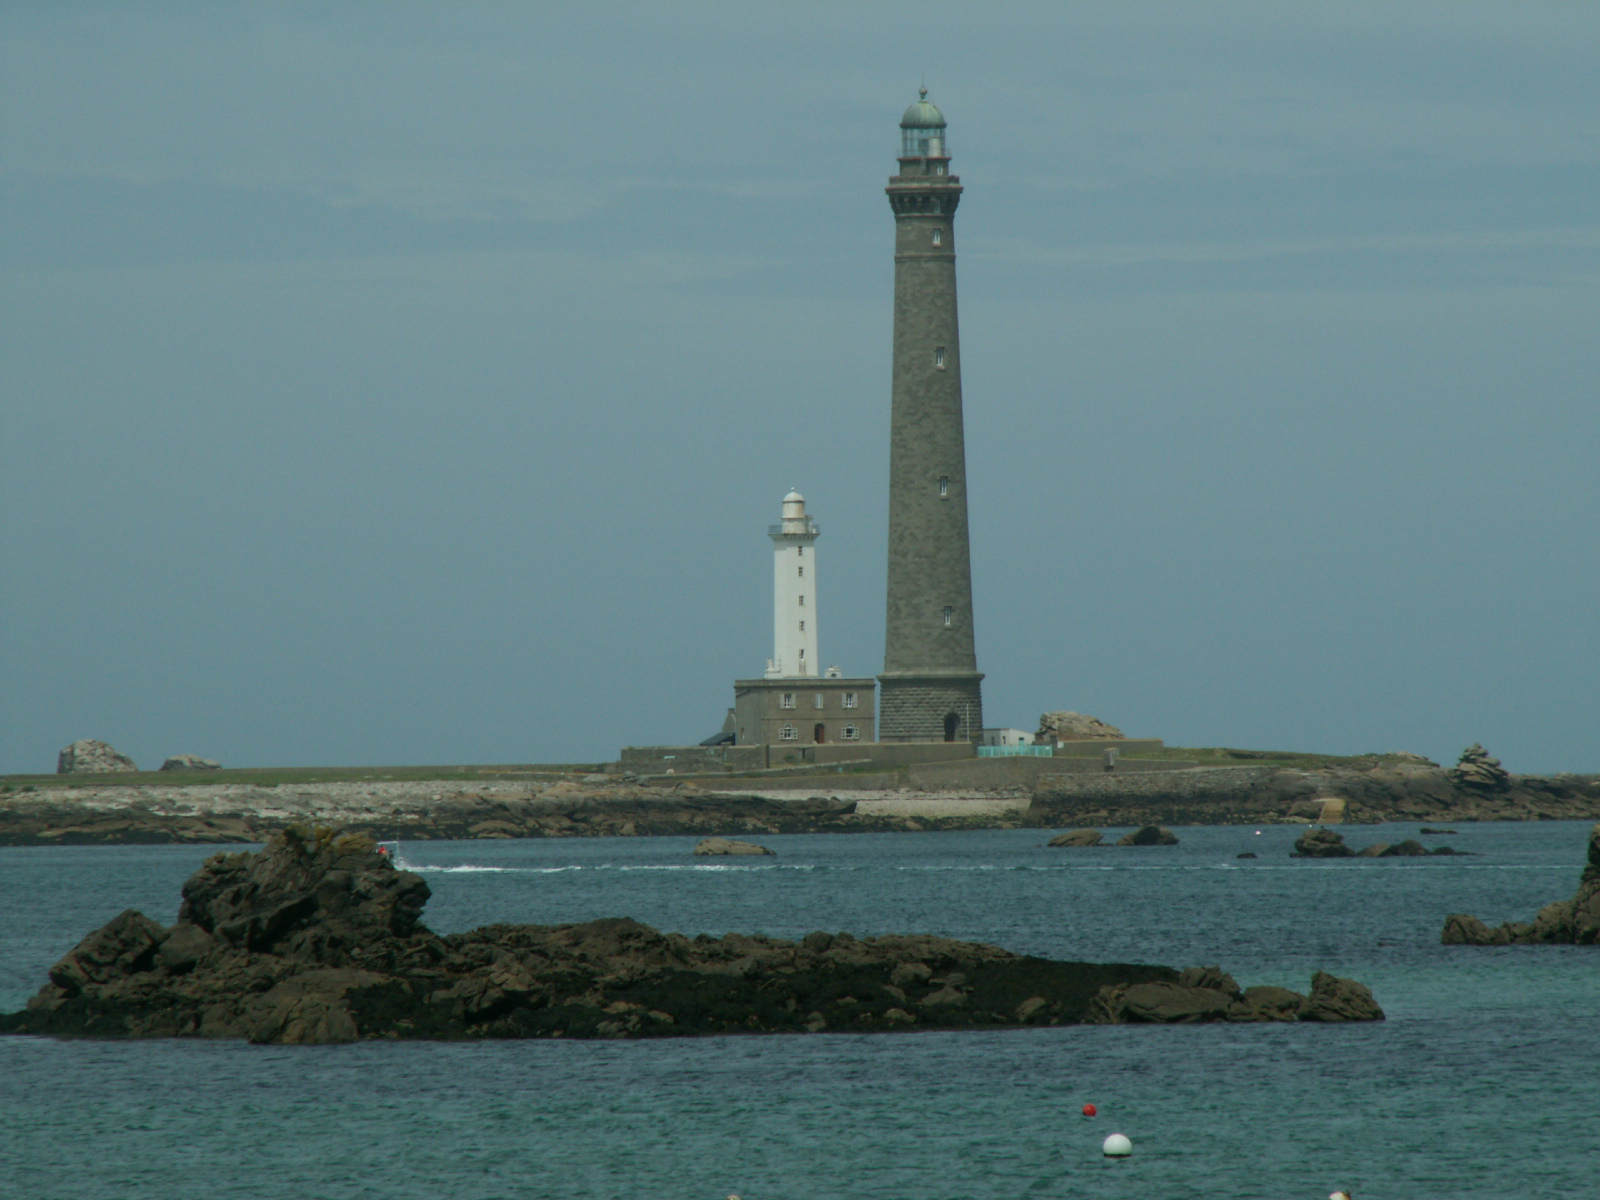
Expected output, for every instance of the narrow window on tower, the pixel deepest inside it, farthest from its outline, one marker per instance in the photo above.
(938, 357)
(944, 487)
(802, 601)
(938, 237)
(802, 571)
(949, 616)
(800, 550)
(802, 626)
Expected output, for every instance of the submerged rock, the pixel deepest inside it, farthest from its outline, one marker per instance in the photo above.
(1575, 921)
(1076, 837)
(722, 845)
(318, 938)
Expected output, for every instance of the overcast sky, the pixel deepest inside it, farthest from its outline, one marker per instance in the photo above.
(415, 383)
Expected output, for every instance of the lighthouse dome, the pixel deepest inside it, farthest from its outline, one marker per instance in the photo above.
(922, 115)
(794, 506)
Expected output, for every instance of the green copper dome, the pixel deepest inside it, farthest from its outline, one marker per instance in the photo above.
(922, 115)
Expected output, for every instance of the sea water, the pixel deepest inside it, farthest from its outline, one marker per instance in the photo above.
(1484, 1081)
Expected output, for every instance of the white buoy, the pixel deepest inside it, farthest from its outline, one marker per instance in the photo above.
(1117, 1146)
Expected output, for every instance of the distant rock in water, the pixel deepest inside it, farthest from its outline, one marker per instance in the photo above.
(190, 762)
(318, 938)
(722, 845)
(1246, 854)
(1575, 921)
(1076, 837)
(1320, 843)
(90, 757)
(1149, 835)
(1071, 726)
(1426, 832)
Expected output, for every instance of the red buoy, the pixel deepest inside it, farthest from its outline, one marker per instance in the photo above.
(1089, 1110)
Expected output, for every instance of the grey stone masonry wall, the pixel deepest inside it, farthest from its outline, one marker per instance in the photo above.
(761, 718)
(928, 638)
(913, 708)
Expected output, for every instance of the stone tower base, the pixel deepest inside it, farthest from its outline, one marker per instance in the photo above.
(917, 707)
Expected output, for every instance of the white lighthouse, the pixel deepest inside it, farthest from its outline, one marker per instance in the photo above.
(794, 592)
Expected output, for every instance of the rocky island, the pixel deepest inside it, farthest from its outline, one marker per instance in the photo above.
(318, 938)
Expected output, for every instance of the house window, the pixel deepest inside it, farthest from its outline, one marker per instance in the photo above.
(938, 237)
(788, 700)
(787, 733)
(938, 357)
(849, 699)
(850, 733)
(819, 700)
(944, 487)
(949, 616)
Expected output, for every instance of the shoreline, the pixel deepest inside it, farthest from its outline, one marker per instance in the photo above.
(104, 810)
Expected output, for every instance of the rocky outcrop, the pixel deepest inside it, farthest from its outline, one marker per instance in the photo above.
(318, 938)
(721, 845)
(1071, 726)
(1210, 994)
(1575, 921)
(190, 762)
(1325, 843)
(1076, 837)
(89, 757)
(1320, 843)
(1480, 770)
(1149, 835)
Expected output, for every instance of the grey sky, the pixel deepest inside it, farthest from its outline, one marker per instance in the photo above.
(414, 383)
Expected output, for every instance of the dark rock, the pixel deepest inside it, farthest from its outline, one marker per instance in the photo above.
(1376, 850)
(1076, 837)
(1267, 1004)
(1575, 921)
(318, 938)
(1426, 832)
(722, 845)
(90, 757)
(1335, 999)
(1410, 848)
(1246, 854)
(1149, 835)
(1320, 843)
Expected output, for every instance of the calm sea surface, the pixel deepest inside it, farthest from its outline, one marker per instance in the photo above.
(1484, 1082)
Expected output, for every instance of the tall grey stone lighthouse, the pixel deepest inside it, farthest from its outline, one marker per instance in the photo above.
(930, 686)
